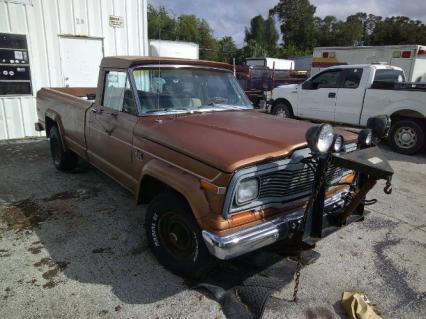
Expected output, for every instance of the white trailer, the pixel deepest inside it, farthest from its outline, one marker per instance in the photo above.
(174, 49)
(278, 64)
(411, 58)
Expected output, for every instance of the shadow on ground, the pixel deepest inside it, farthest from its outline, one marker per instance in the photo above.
(94, 234)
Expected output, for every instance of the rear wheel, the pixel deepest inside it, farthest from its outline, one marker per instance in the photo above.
(406, 137)
(282, 109)
(64, 160)
(175, 238)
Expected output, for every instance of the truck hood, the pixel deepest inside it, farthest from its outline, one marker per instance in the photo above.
(227, 140)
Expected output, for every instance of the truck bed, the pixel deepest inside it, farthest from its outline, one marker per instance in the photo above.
(67, 103)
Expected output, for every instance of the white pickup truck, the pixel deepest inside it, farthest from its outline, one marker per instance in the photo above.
(351, 94)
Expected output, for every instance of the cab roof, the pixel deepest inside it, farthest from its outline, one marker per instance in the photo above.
(125, 62)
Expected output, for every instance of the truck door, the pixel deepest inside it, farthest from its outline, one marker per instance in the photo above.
(350, 97)
(110, 127)
(317, 99)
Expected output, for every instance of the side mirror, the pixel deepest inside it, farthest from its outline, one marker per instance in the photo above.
(379, 126)
(307, 85)
(91, 96)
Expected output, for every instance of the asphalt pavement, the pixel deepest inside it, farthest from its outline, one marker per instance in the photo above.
(72, 245)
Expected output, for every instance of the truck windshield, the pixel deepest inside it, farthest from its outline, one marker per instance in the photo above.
(180, 90)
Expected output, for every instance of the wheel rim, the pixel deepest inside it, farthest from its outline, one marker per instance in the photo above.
(56, 151)
(405, 137)
(176, 236)
(281, 113)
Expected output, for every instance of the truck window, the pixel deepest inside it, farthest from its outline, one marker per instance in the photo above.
(327, 79)
(352, 78)
(118, 94)
(389, 75)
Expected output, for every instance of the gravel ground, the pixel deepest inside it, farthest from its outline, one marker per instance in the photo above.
(72, 246)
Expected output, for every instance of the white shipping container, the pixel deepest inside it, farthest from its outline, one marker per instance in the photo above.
(279, 64)
(174, 49)
(65, 41)
(411, 58)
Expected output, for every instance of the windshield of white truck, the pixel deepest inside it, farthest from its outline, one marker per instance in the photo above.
(180, 90)
(389, 75)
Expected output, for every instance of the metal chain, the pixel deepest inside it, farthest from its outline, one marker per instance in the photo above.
(305, 216)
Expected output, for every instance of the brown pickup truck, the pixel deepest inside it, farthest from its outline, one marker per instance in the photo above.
(219, 178)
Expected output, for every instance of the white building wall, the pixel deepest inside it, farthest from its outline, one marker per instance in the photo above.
(44, 22)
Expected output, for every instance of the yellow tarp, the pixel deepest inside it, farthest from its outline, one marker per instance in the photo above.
(357, 306)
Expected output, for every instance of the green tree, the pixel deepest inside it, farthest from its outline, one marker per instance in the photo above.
(325, 31)
(208, 44)
(263, 32)
(296, 22)
(254, 49)
(398, 30)
(227, 49)
(161, 24)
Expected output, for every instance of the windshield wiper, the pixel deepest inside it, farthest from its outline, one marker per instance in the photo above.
(167, 110)
(221, 106)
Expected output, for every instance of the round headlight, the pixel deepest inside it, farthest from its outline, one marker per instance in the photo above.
(365, 137)
(247, 190)
(320, 138)
(338, 143)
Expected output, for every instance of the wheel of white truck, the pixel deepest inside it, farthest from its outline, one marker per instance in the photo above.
(406, 137)
(63, 160)
(175, 238)
(282, 109)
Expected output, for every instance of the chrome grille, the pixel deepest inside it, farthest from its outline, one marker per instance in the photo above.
(289, 182)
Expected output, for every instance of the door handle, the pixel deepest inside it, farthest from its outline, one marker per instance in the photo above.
(95, 110)
(332, 95)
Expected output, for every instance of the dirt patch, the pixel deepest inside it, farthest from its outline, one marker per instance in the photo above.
(47, 261)
(106, 250)
(55, 268)
(79, 193)
(35, 250)
(24, 215)
(4, 253)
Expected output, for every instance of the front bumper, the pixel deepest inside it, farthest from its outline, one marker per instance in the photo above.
(264, 234)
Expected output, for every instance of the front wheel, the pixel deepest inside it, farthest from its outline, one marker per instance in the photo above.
(406, 137)
(282, 110)
(175, 238)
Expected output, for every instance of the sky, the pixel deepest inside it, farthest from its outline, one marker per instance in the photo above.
(230, 17)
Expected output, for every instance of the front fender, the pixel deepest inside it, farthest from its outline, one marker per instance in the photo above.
(184, 183)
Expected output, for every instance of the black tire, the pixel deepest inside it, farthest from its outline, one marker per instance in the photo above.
(406, 137)
(175, 238)
(64, 160)
(282, 109)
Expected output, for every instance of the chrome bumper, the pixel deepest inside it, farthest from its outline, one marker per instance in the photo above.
(264, 234)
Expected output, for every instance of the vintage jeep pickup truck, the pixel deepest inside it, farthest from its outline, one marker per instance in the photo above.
(219, 178)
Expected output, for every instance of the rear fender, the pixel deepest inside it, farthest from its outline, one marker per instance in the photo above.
(54, 116)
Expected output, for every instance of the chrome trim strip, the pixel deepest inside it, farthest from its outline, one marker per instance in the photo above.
(266, 233)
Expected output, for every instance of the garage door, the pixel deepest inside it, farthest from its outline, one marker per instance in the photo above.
(80, 59)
